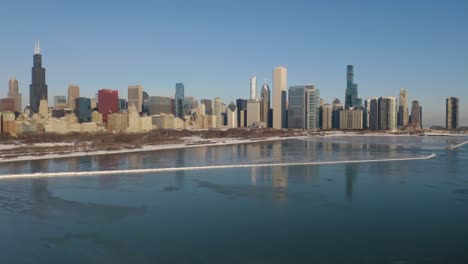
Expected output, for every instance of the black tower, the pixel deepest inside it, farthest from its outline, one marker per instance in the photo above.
(38, 87)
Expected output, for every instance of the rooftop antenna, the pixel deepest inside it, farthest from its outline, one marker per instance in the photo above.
(37, 49)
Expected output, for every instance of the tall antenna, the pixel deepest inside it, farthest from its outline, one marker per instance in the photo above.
(37, 49)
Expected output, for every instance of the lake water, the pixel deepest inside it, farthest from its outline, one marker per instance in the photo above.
(392, 212)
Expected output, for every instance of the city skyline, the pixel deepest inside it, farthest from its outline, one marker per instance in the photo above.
(409, 64)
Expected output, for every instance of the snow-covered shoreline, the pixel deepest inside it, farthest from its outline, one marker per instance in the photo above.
(191, 142)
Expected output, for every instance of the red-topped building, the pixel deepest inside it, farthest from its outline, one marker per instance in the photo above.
(108, 102)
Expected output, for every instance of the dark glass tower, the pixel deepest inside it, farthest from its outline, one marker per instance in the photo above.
(38, 87)
(351, 96)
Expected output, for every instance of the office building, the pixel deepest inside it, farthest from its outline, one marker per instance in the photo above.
(351, 95)
(415, 115)
(373, 114)
(208, 106)
(253, 113)
(327, 113)
(73, 93)
(38, 87)
(179, 100)
(160, 105)
(241, 112)
(13, 92)
(452, 110)
(253, 88)
(280, 85)
(403, 113)
(297, 107)
(265, 105)
(217, 111)
(312, 107)
(231, 112)
(108, 103)
(337, 106)
(387, 113)
(123, 104)
(135, 97)
(351, 119)
(60, 102)
(83, 109)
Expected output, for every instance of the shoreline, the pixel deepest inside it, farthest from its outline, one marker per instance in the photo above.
(198, 142)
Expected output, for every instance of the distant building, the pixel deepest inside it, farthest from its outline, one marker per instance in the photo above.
(83, 109)
(7, 104)
(73, 93)
(44, 108)
(60, 102)
(253, 113)
(297, 107)
(351, 96)
(403, 114)
(452, 110)
(265, 116)
(117, 122)
(280, 84)
(415, 115)
(351, 119)
(13, 92)
(337, 106)
(135, 97)
(160, 105)
(108, 103)
(231, 112)
(387, 113)
(327, 112)
(312, 107)
(208, 106)
(373, 114)
(241, 112)
(38, 87)
(122, 105)
(217, 111)
(179, 100)
(253, 88)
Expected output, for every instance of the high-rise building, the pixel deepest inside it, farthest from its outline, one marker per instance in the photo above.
(108, 103)
(351, 88)
(265, 105)
(83, 109)
(452, 109)
(337, 106)
(403, 113)
(60, 102)
(373, 114)
(217, 111)
(327, 116)
(351, 119)
(179, 100)
(122, 104)
(13, 92)
(297, 107)
(241, 111)
(135, 97)
(415, 115)
(231, 112)
(160, 105)
(280, 85)
(312, 107)
(73, 93)
(43, 108)
(253, 113)
(387, 113)
(208, 106)
(253, 88)
(190, 103)
(38, 87)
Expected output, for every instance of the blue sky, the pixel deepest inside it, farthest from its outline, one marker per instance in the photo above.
(215, 46)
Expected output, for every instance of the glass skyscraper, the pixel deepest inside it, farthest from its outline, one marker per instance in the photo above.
(304, 104)
(179, 100)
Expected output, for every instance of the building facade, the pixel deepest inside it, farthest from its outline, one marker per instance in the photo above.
(280, 85)
(265, 105)
(108, 102)
(73, 93)
(403, 113)
(452, 110)
(135, 97)
(38, 88)
(253, 88)
(83, 109)
(179, 100)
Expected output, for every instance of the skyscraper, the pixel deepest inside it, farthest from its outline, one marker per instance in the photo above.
(253, 88)
(387, 113)
(83, 109)
(297, 107)
(60, 102)
(452, 113)
(13, 92)
(312, 107)
(415, 115)
(280, 84)
(253, 113)
(326, 116)
(231, 112)
(108, 103)
(403, 113)
(374, 114)
(265, 105)
(38, 87)
(337, 106)
(208, 106)
(135, 97)
(179, 100)
(217, 111)
(241, 112)
(73, 93)
(351, 88)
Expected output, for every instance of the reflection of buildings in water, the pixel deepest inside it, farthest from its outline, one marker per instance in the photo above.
(253, 152)
(134, 161)
(253, 176)
(39, 187)
(180, 175)
(108, 162)
(280, 184)
(304, 174)
(39, 165)
(351, 174)
(72, 164)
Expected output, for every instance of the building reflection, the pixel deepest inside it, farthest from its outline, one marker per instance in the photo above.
(351, 175)
(108, 162)
(40, 192)
(280, 180)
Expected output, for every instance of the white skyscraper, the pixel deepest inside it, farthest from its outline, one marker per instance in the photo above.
(253, 88)
(280, 86)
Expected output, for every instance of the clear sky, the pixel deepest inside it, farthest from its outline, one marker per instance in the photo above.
(214, 46)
